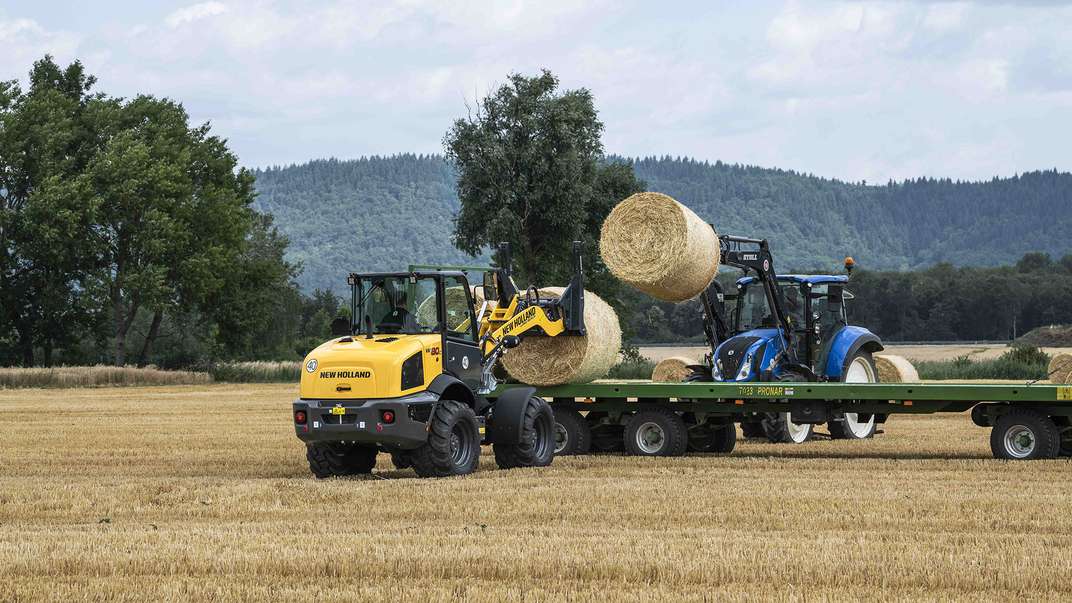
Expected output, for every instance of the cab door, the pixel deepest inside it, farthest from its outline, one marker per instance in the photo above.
(461, 353)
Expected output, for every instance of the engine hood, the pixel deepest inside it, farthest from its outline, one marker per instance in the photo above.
(751, 349)
(360, 368)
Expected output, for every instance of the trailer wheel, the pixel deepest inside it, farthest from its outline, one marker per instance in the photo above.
(1024, 434)
(656, 432)
(712, 437)
(572, 434)
(856, 426)
(780, 429)
(536, 447)
(605, 438)
(339, 459)
(453, 446)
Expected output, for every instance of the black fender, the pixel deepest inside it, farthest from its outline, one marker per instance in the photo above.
(508, 414)
(446, 387)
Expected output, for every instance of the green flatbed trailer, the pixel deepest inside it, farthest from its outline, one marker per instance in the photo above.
(1027, 421)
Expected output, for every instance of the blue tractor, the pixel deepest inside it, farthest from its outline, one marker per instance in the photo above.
(786, 328)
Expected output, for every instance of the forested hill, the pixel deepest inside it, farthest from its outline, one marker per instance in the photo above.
(382, 213)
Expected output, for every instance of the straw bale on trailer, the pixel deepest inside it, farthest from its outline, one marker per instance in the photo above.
(660, 247)
(1060, 368)
(895, 369)
(673, 369)
(566, 358)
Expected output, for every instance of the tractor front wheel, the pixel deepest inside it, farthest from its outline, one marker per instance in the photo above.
(340, 459)
(453, 446)
(780, 429)
(536, 446)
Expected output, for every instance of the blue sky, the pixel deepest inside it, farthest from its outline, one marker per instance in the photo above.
(857, 91)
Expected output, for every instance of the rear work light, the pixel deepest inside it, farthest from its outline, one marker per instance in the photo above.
(300, 417)
(388, 416)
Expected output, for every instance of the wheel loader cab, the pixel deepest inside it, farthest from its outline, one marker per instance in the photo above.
(407, 329)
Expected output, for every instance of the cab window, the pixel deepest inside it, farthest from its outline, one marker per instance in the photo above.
(459, 312)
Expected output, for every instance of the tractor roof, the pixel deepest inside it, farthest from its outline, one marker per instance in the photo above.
(814, 279)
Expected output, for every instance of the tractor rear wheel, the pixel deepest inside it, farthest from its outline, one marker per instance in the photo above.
(453, 446)
(780, 429)
(656, 432)
(338, 459)
(856, 426)
(572, 434)
(753, 429)
(536, 446)
(1025, 434)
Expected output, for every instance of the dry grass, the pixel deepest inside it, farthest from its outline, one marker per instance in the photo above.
(95, 376)
(202, 493)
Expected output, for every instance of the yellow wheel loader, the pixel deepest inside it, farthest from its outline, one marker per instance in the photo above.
(408, 372)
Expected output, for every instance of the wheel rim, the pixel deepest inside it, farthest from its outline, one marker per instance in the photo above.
(798, 432)
(1019, 441)
(860, 371)
(561, 437)
(460, 445)
(650, 437)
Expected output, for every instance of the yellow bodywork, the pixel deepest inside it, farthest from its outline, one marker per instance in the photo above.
(369, 368)
(372, 368)
(500, 322)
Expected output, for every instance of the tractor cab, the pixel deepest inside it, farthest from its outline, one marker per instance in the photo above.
(405, 329)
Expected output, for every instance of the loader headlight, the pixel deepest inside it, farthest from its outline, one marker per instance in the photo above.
(746, 367)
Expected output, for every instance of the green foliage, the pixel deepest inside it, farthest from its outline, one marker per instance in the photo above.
(112, 210)
(1019, 362)
(530, 172)
(1057, 336)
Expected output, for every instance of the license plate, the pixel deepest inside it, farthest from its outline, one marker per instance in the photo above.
(338, 410)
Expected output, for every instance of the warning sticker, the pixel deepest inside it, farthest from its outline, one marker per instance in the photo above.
(1064, 392)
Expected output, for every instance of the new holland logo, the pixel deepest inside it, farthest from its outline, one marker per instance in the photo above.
(524, 317)
(345, 374)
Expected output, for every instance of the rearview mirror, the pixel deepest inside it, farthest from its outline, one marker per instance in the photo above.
(491, 286)
(510, 341)
(340, 327)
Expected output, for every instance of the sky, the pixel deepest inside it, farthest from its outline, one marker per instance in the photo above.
(851, 90)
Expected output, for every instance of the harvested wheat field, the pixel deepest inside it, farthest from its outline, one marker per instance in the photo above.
(202, 493)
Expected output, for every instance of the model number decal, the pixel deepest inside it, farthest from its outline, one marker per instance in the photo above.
(763, 391)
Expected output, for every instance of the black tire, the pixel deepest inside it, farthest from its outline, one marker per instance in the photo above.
(400, 459)
(712, 437)
(656, 432)
(572, 434)
(1025, 434)
(536, 447)
(753, 429)
(453, 446)
(339, 459)
(855, 426)
(780, 429)
(605, 438)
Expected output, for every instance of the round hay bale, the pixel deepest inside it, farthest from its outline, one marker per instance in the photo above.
(672, 370)
(660, 247)
(541, 360)
(895, 369)
(1060, 367)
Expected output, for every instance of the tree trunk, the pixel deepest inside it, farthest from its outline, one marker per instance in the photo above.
(124, 318)
(26, 345)
(154, 330)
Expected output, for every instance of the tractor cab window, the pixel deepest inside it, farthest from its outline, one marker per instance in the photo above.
(753, 311)
(794, 304)
(459, 312)
(399, 304)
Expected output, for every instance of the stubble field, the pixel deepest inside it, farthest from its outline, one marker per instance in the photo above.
(202, 492)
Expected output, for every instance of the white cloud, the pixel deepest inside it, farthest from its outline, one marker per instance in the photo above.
(195, 12)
